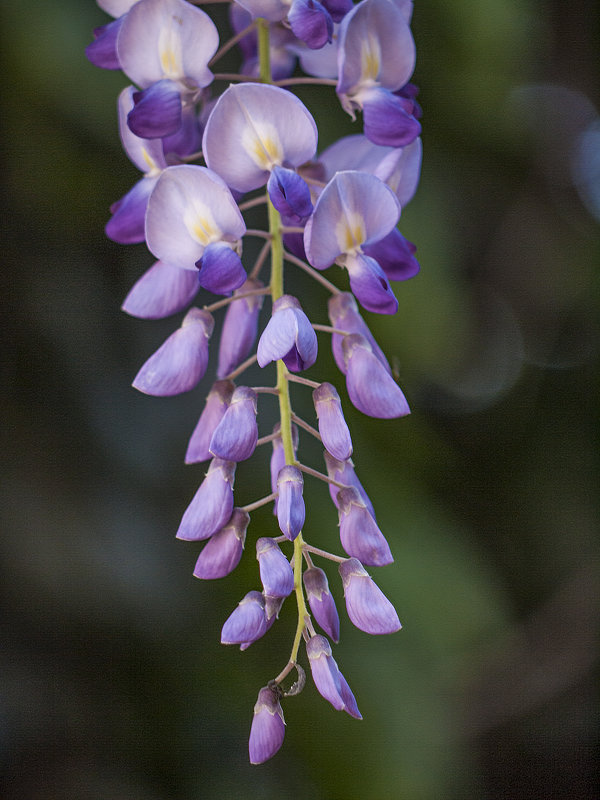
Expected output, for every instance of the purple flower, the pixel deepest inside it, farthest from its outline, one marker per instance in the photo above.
(367, 606)
(288, 336)
(236, 435)
(395, 255)
(181, 361)
(215, 407)
(212, 505)
(240, 328)
(311, 22)
(290, 503)
(321, 601)
(343, 472)
(371, 388)
(328, 678)
(223, 551)
(290, 195)
(359, 533)
(102, 52)
(268, 726)
(332, 425)
(247, 623)
(278, 457)
(344, 315)
(276, 574)
(161, 291)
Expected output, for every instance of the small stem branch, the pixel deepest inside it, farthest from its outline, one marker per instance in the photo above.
(251, 293)
(242, 367)
(266, 440)
(265, 389)
(312, 272)
(308, 428)
(329, 329)
(323, 553)
(260, 261)
(291, 229)
(252, 203)
(262, 502)
(192, 157)
(229, 44)
(305, 80)
(232, 76)
(258, 232)
(321, 477)
(304, 381)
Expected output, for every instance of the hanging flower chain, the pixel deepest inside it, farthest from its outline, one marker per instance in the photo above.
(206, 157)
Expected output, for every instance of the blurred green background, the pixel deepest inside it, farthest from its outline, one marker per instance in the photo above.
(113, 683)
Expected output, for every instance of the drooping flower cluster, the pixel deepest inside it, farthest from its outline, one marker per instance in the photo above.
(208, 152)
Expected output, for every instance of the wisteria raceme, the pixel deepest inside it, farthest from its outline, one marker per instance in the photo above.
(212, 148)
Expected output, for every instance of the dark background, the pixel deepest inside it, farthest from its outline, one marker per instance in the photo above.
(113, 682)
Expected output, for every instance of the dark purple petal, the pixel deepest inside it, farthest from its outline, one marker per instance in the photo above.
(311, 23)
(325, 672)
(247, 623)
(126, 226)
(288, 336)
(370, 387)
(344, 315)
(236, 435)
(268, 727)
(223, 551)
(290, 195)
(186, 140)
(321, 601)
(221, 269)
(276, 574)
(157, 111)
(290, 503)
(370, 285)
(338, 8)
(332, 425)
(367, 606)
(240, 328)
(343, 472)
(181, 361)
(395, 255)
(102, 52)
(212, 505)
(386, 119)
(359, 534)
(216, 405)
(161, 291)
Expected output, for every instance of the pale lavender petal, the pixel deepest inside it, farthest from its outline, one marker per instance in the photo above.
(367, 606)
(359, 534)
(254, 127)
(236, 435)
(212, 505)
(324, 670)
(181, 361)
(240, 328)
(276, 574)
(167, 39)
(271, 10)
(247, 623)
(403, 178)
(321, 602)
(157, 111)
(216, 405)
(321, 63)
(288, 336)
(370, 285)
(223, 551)
(126, 226)
(221, 269)
(116, 7)
(343, 472)
(332, 425)
(268, 726)
(161, 291)
(290, 503)
(344, 315)
(371, 388)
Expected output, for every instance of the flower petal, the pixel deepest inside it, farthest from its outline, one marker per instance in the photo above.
(161, 291)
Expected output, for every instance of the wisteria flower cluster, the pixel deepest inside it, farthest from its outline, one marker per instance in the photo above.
(210, 146)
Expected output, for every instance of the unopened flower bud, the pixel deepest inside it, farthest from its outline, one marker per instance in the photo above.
(328, 679)
(240, 327)
(332, 425)
(370, 387)
(367, 606)
(223, 551)
(290, 504)
(212, 504)
(236, 435)
(278, 457)
(247, 623)
(215, 407)
(288, 336)
(359, 533)
(268, 726)
(321, 601)
(276, 574)
(343, 472)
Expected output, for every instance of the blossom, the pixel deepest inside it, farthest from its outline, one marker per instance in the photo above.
(359, 533)
(268, 726)
(248, 622)
(288, 336)
(235, 437)
(367, 606)
(370, 386)
(223, 551)
(321, 601)
(212, 505)
(290, 503)
(327, 677)
(332, 425)
(216, 404)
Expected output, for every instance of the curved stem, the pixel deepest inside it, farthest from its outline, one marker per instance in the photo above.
(229, 44)
(312, 272)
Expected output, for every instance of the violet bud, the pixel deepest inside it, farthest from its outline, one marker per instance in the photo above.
(290, 505)
(181, 361)
(240, 328)
(321, 601)
(359, 533)
(247, 623)
(212, 504)
(371, 388)
(278, 457)
(343, 472)
(236, 435)
(268, 726)
(328, 679)
(344, 315)
(215, 407)
(276, 574)
(223, 551)
(288, 336)
(332, 425)
(367, 606)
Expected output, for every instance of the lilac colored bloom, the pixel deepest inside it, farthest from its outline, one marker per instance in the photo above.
(327, 676)
(344, 315)
(311, 22)
(332, 425)
(290, 503)
(278, 457)
(217, 403)
(254, 128)
(161, 291)
(359, 534)
(190, 209)
(388, 118)
(290, 195)
(247, 623)
(236, 435)
(371, 388)
(367, 606)
(240, 328)
(223, 551)
(276, 574)
(343, 472)
(268, 726)
(181, 361)
(321, 602)
(212, 505)
(288, 336)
